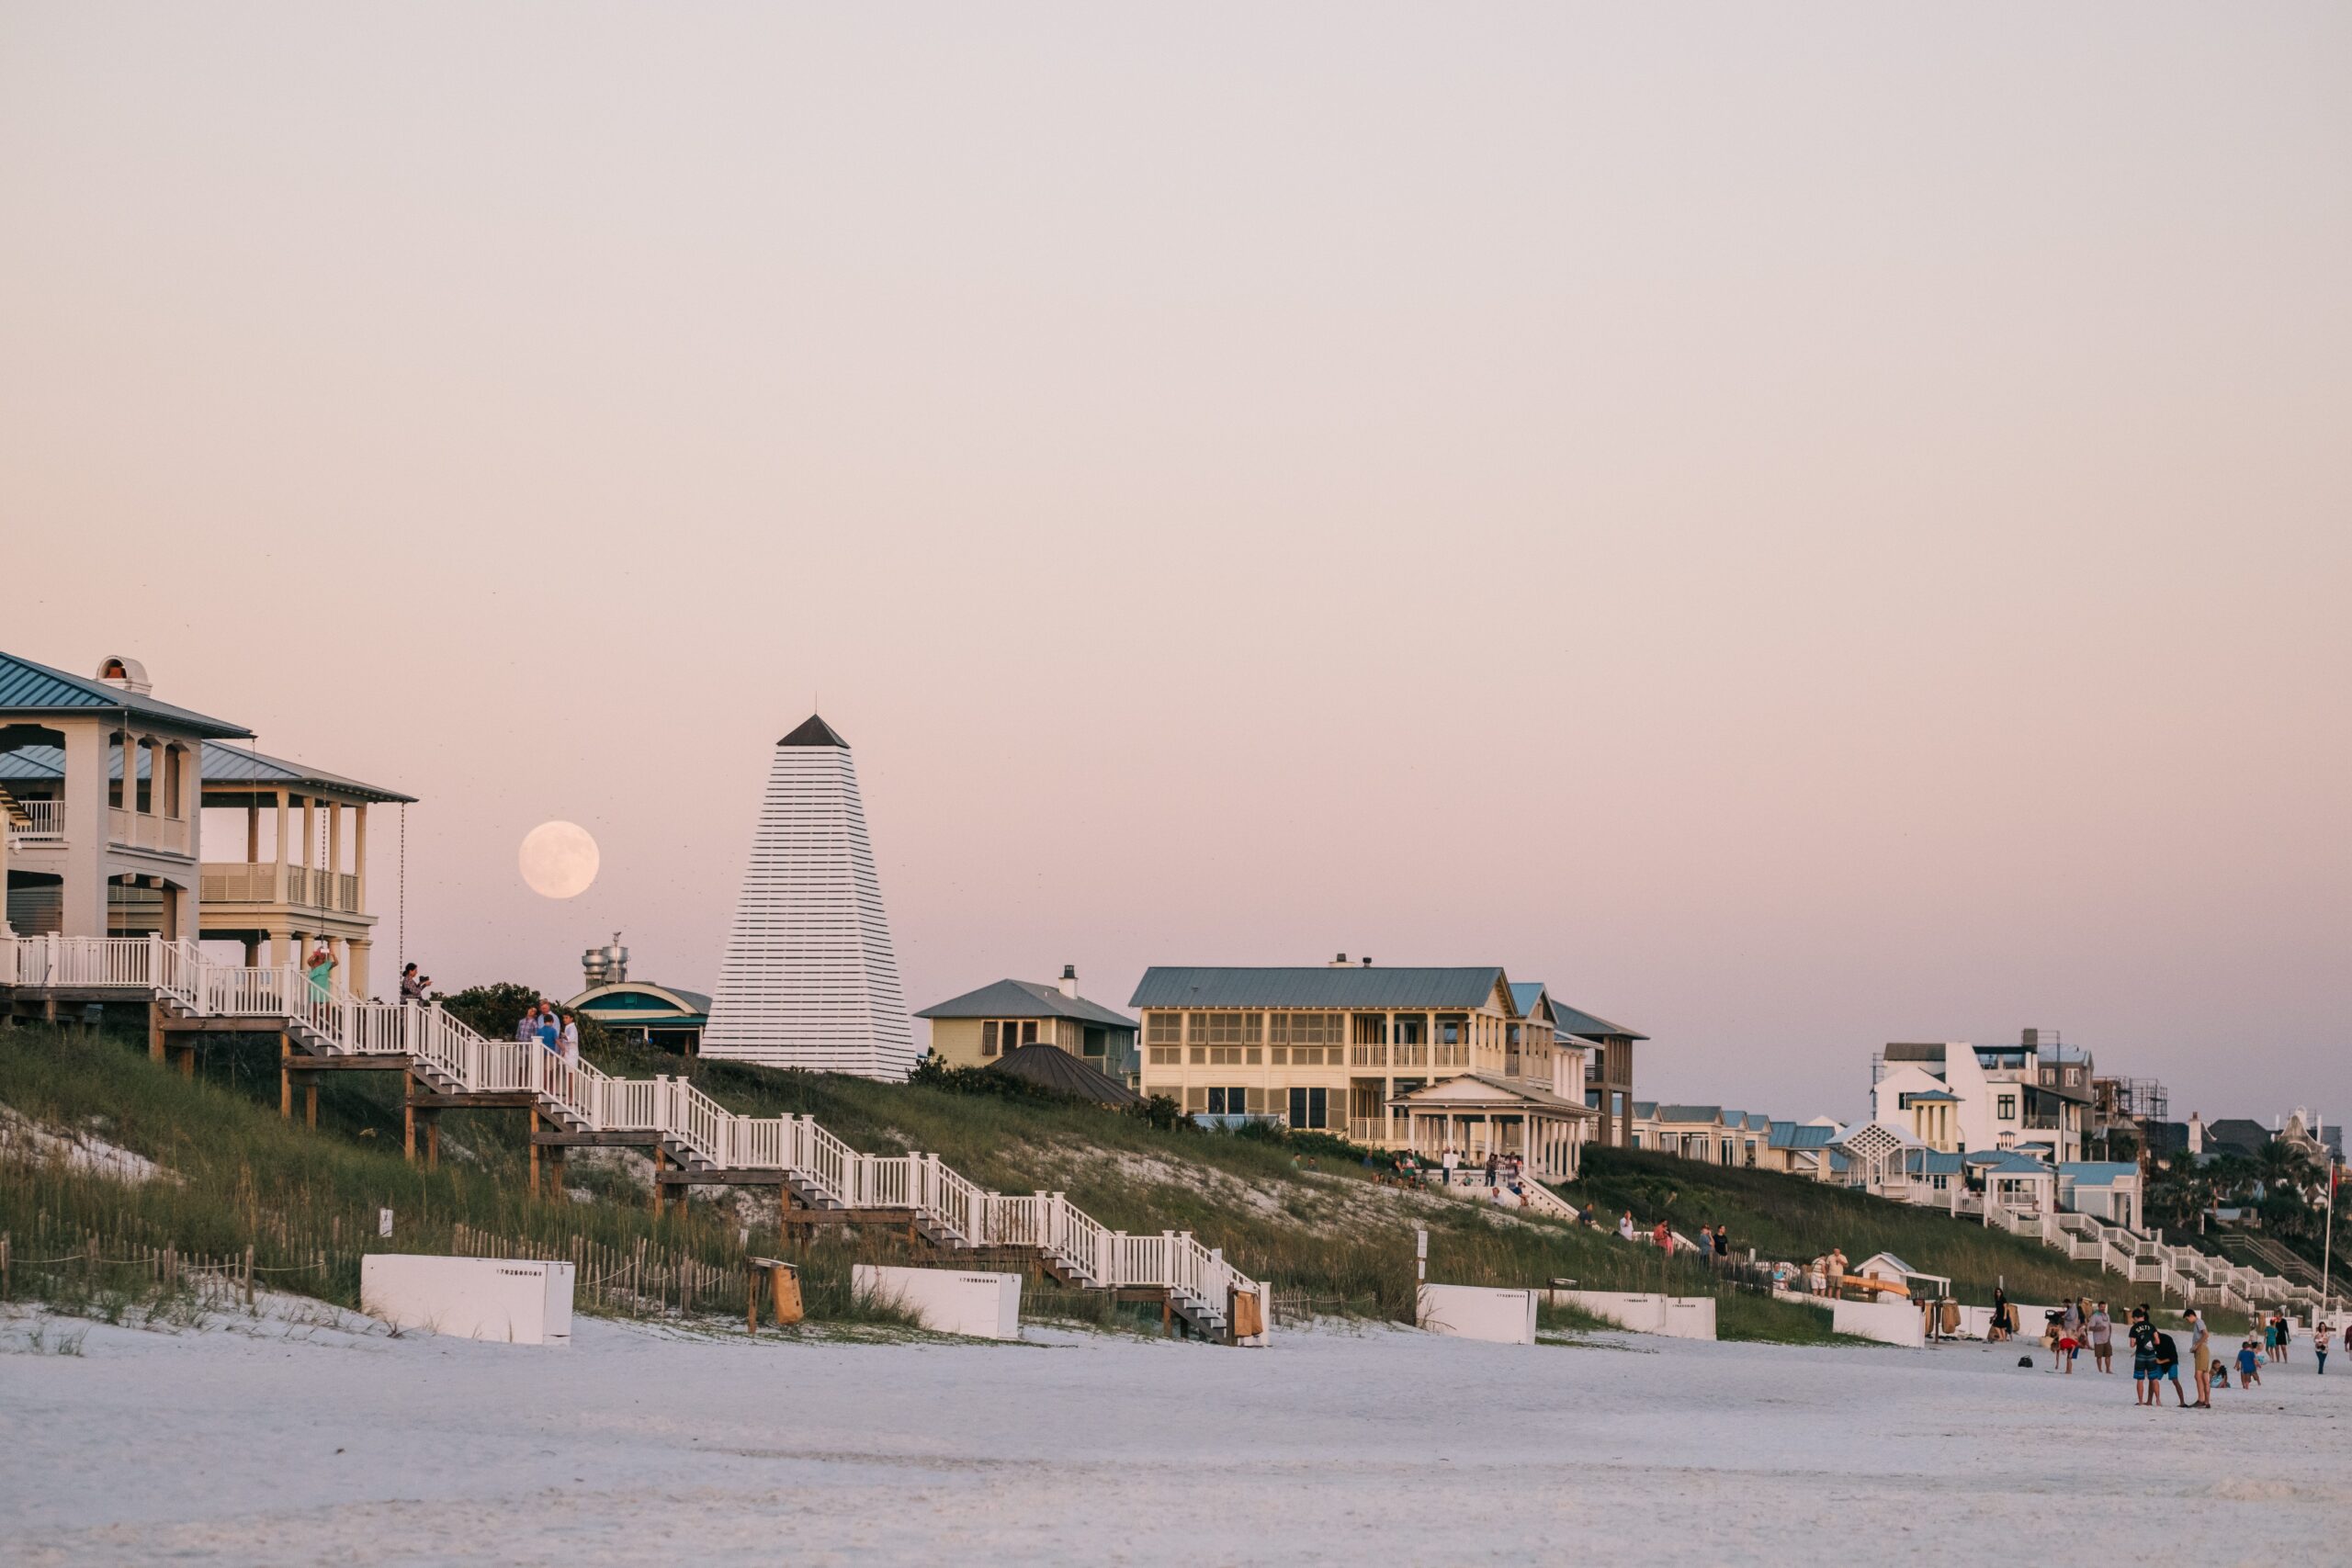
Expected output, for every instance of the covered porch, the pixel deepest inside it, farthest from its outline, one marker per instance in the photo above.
(1476, 1115)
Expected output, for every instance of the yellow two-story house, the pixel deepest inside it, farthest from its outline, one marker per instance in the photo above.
(1396, 1058)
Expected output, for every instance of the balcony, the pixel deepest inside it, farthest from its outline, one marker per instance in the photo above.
(144, 830)
(38, 821)
(227, 882)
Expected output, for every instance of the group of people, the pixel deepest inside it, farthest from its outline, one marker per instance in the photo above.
(1712, 1244)
(2079, 1326)
(553, 1028)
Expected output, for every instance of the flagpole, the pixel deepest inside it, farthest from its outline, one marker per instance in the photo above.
(2327, 1246)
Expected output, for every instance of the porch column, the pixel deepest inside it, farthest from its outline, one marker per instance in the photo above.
(310, 831)
(335, 836)
(355, 978)
(359, 854)
(252, 830)
(277, 883)
(87, 827)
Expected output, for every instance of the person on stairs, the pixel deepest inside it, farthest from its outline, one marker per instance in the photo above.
(321, 968)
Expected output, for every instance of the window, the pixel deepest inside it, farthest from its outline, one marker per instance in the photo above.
(1163, 1029)
(1309, 1108)
(2006, 1108)
(1637, 1138)
(1225, 1028)
(987, 1038)
(1305, 1029)
(1617, 1102)
(1167, 1056)
(1229, 1101)
(1093, 1042)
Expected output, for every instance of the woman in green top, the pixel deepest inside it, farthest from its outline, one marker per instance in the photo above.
(322, 972)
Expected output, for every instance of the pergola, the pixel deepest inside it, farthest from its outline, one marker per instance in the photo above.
(1481, 1114)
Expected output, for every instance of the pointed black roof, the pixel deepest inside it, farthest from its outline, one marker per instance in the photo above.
(816, 732)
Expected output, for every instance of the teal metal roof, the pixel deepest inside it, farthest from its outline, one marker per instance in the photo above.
(1802, 1135)
(29, 690)
(1355, 985)
(1025, 999)
(222, 764)
(2097, 1172)
(1576, 1021)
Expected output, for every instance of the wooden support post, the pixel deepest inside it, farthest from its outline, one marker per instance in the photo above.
(408, 1129)
(286, 1079)
(311, 1100)
(154, 1031)
(556, 1189)
(433, 1140)
(188, 1061)
(1163, 1315)
(534, 1152)
(660, 1164)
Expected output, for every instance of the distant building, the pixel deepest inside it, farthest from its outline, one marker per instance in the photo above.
(809, 979)
(1705, 1133)
(981, 1027)
(669, 1017)
(2033, 1096)
(1413, 1058)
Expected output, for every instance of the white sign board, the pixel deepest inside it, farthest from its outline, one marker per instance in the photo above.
(1677, 1317)
(509, 1299)
(1889, 1322)
(947, 1300)
(1475, 1312)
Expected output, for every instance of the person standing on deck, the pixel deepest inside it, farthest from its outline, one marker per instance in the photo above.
(322, 967)
(412, 987)
(569, 1041)
(1492, 1163)
(528, 1029)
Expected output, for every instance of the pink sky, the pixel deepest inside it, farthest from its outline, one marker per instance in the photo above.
(1798, 527)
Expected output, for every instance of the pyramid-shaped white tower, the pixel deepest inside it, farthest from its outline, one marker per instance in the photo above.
(809, 980)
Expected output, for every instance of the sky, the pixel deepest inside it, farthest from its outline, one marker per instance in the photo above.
(1798, 526)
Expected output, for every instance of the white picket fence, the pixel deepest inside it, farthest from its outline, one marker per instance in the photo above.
(580, 1096)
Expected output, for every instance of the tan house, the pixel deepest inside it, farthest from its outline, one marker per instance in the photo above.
(1416, 1058)
(979, 1028)
(105, 790)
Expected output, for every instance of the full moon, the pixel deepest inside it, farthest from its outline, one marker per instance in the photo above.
(558, 860)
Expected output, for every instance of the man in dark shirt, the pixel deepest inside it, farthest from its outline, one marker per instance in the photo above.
(2168, 1366)
(2144, 1358)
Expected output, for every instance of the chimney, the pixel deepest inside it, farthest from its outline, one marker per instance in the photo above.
(125, 675)
(1367, 963)
(2033, 1038)
(1339, 961)
(1069, 982)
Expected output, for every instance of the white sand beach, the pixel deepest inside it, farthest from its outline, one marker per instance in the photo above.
(307, 1444)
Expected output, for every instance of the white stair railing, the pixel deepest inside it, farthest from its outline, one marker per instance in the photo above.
(671, 1107)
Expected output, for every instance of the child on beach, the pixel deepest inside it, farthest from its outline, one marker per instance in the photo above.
(2249, 1364)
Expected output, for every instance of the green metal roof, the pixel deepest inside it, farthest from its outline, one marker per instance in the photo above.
(31, 689)
(1354, 986)
(1025, 999)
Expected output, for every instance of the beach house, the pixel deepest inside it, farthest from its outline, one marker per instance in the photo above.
(107, 791)
(979, 1028)
(1419, 1058)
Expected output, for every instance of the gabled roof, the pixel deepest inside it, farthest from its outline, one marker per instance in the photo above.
(1532, 1002)
(814, 731)
(1356, 985)
(1924, 1161)
(1050, 1067)
(1486, 1088)
(1930, 1095)
(222, 764)
(1802, 1135)
(1646, 1109)
(1576, 1021)
(236, 765)
(1707, 1113)
(1025, 999)
(2238, 1133)
(30, 689)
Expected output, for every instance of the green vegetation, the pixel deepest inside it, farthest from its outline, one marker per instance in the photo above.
(1305, 1214)
(1791, 1218)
